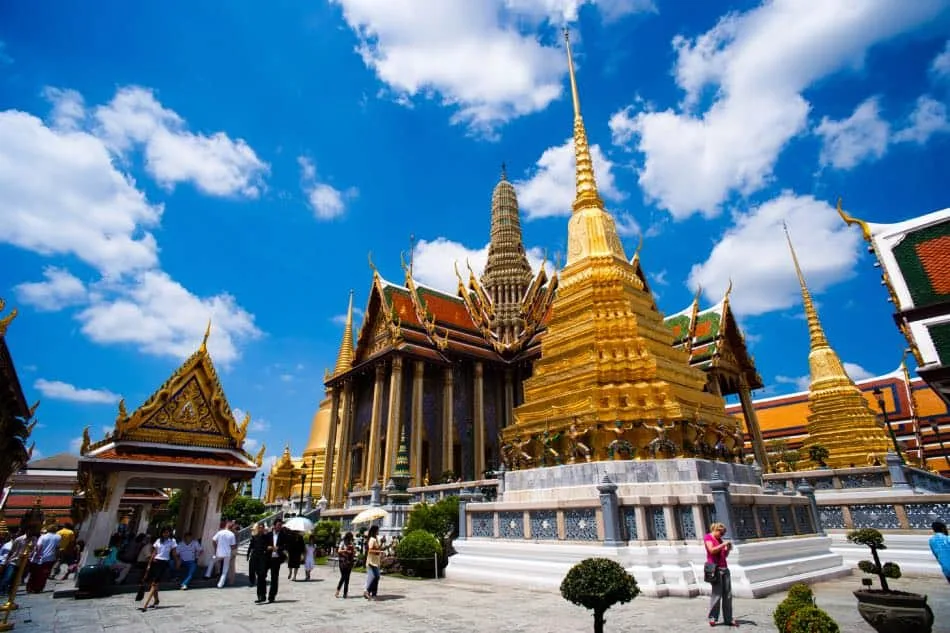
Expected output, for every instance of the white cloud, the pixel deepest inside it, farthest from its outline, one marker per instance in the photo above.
(161, 317)
(550, 190)
(251, 444)
(753, 253)
(215, 164)
(340, 319)
(803, 383)
(58, 390)
(940, 67)
(928, 118)
(856, 372)
(60, 290)
(562, 12)
(659, 278)
(63, 196)
(433, 263)
(755, 67)
(863, 135)
(470, 54)
(64, 193)
(326, 201)
(75, 444)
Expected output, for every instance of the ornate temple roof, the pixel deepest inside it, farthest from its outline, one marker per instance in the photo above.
(11, 392)
(187, 420)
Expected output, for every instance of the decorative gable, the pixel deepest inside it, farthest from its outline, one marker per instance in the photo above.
(189, 409)
(924, 260)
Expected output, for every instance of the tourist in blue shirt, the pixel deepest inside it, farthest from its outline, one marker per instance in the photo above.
(940, 546)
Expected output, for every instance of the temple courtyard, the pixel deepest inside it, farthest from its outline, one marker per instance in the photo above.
(407, 605)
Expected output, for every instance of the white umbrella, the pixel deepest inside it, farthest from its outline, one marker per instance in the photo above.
(299, 524)
(369, 515)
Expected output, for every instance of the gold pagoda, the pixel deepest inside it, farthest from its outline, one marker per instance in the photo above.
(609, 383)
(839, 418)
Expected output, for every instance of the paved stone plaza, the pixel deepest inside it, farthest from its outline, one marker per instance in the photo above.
(415, 606)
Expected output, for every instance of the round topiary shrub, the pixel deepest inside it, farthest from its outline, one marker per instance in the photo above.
(801, 592)
(598, 584)
(417, 552)
(811, 620)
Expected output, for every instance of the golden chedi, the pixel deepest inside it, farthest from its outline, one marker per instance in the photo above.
(609, 384)
(840, 418)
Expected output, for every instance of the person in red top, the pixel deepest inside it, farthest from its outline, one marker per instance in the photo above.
(717, 549)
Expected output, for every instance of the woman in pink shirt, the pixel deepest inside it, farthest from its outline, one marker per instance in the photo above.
(717, 550)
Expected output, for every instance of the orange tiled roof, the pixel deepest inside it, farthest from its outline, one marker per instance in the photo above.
(216, 460)
(448, 311)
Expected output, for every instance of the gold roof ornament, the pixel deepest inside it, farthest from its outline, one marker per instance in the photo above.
(7, 320)
(259, 458)
(86, 442)
(204, 341)
(840, 418)
(851, 220)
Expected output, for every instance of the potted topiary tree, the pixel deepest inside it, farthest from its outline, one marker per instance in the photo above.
(598, 584)
(818, 454)
(886, 610)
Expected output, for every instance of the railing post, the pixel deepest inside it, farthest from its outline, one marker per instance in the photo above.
(805, 489)
(610, 508)
(722, 502)
(463, 524)
(896, 468)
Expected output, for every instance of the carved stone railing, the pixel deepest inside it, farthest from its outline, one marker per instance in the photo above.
(431, 493)
(884, 512)
(927, 481)
(833, 479)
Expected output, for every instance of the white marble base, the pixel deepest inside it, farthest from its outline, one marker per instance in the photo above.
(661, 569)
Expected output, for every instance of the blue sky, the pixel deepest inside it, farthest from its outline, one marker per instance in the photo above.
(159, 166)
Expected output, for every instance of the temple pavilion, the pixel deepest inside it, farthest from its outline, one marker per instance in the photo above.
(183, 437)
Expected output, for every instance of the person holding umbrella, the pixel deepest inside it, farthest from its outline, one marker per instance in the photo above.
(373, 563)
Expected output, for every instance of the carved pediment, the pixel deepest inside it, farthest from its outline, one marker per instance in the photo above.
(190, 409)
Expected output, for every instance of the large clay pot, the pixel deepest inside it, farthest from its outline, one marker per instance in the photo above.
(895, 611)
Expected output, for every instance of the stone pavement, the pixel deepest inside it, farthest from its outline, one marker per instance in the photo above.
(410, 606)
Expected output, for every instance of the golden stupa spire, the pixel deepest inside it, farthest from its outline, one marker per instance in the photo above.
(839, 418)
(344, 359)
(585, 183)
(591, 231)
(815, 331)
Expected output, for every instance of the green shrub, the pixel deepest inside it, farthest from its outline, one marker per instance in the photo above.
(799, 596)
(326, 534)
(416, 552)
(800, 592)
(440, 519)
(811, 620)
(598, 584)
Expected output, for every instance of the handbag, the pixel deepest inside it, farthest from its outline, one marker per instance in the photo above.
(711, 573)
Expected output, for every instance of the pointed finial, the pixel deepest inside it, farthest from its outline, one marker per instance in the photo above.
(728, 290)
(412, 251)
(204, 341)
(344, 359)
(7, 320)
(504, 171)
(372, 266)
(850, 219)
(815, 331)
(33, 409)
(585, 185)
(699, 292)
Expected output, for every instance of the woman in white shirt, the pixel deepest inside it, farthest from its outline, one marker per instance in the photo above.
(162, 552)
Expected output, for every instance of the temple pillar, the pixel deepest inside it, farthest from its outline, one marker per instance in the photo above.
(145, 515)
(371, 470)
(186, 505)
(509, 399)
(478, 442)
(345, 453)
(328, 457)
(752, 423)
(211, 517)
(448, 420)
(393, 420)
(103, 522)
(415, 450)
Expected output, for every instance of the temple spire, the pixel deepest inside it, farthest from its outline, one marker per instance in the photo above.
(344, 359)
(586, 186)
(204, 341)
(815, 331)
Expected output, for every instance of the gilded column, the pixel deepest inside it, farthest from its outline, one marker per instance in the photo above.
(393, 421)
(752, 423)
(330, 454)
(478, 442)
(509, 398)
(371, 472)
(415, 451)
(344, 454)
(448, 420)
